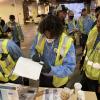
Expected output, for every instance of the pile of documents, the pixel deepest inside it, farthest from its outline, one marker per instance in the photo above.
(16, 92)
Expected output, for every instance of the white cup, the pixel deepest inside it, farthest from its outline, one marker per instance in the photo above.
(77, 87)
(81, 95)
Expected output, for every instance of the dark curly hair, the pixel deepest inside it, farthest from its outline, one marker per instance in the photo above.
(97, 9)
(98, 13)
(12, 17)
(52, 24)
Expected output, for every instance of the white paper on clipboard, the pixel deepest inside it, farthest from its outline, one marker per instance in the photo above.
(25, 67)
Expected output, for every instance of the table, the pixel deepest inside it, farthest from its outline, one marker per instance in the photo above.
(14, 92)
(47, 94)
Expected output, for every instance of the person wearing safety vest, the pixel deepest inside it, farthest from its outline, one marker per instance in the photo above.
(9, 54)
(56, 50)
(16, 31)
(85, 24)
(4, 34)
(92, 14)
(91, 66)
(97, 9)
(61, 12)
(72, 26)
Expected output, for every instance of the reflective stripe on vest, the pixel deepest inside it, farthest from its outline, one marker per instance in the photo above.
(8, 64)
(40, 44)
(91, 63)
(94, 65)
(64, 45)
(92, 60)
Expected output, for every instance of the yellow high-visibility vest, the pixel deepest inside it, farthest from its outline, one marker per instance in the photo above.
(92, 59)
(80, 22)
(64, 45)
(7, 65)
(92, 17)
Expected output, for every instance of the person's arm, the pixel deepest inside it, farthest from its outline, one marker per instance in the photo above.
(21, 36)
(32, 49)
(14, 50)
(77, 25)
(68, 66)
(91, 22)
(5, 28)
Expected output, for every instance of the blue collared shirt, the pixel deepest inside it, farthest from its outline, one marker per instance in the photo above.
(49, 57)
(14, 51)
(71, 26)
(87, 24)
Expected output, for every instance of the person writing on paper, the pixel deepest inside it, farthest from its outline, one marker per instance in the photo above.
(52, 46)
(9, 54)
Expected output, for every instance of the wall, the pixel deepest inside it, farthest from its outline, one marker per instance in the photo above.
(98, 2)
(7, 8)
(33, 10)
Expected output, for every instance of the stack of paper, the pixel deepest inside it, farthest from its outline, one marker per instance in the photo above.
(8, 92)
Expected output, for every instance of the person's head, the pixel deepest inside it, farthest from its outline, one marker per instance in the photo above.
(98, 20)
(96, 10)
(51, 26)
(12, 18)
(70, 14)
(84, 12)
(62, 12)
(2, 22)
